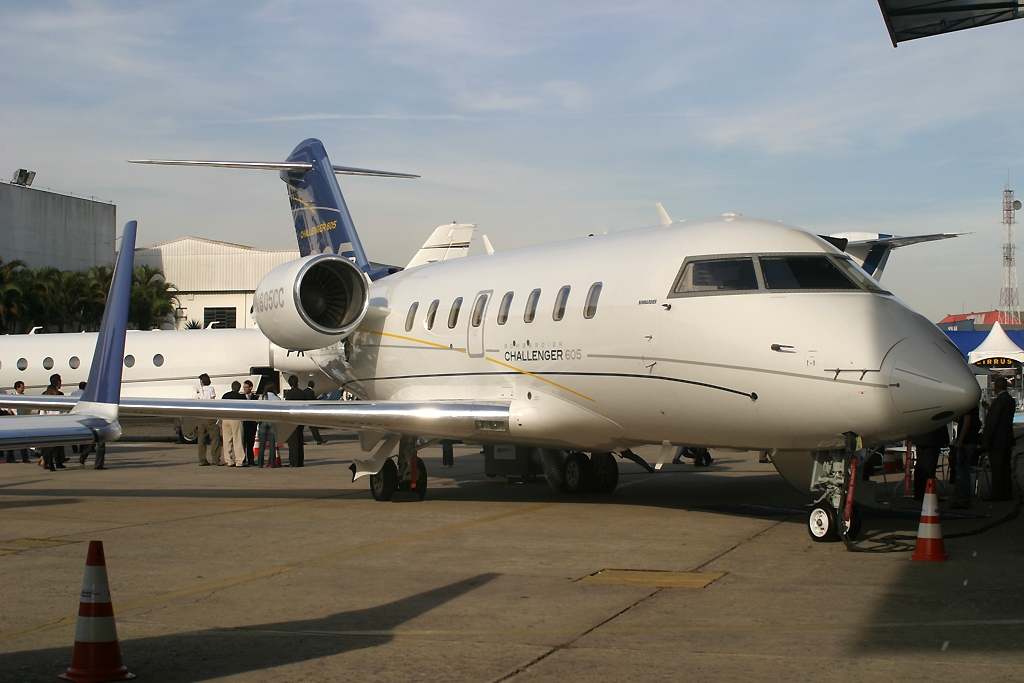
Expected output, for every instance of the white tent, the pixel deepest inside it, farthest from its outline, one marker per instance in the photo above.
(996, 345)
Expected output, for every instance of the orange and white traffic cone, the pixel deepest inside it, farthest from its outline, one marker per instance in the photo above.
(930, 547)
(256, 448)
(97, 655)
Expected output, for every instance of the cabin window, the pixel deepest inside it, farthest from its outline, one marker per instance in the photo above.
(412, 315)
(804, 272)
(506, 303)
(478, 311)
(531, 306)
(717, 275)
(22, 364)
(453, 315)
(432, 313)
(558, 312)
(590, 309)
(48, 363)
(158, 360)
(74, 362)
(129, 361)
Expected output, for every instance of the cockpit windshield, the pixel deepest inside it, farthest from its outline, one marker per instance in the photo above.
(803, 272)
(732, 274)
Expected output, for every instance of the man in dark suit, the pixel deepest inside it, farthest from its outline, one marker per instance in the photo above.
(998, 439)
(249, 426)
(311, 396)
(296, 454)
(928, 447)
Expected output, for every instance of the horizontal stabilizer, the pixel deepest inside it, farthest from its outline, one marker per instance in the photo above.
(271, 166)
(447, 242)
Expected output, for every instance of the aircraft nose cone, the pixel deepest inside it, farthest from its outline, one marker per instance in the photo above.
(931, 383)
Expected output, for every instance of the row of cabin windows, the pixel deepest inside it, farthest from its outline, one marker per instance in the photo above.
(529, 314)
(75, 362)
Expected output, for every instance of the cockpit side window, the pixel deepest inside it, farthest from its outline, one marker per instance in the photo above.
(736, 274)
(804, 272)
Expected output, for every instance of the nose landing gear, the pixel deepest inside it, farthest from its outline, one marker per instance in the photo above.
(834, 477)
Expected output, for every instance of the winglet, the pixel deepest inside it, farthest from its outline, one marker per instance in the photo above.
(104, 385)
(666, 220)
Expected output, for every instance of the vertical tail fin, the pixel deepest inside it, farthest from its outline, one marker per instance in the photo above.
(104, 385)
(323, 224)
(322, 221)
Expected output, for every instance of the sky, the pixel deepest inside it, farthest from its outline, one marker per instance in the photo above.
(537, 121)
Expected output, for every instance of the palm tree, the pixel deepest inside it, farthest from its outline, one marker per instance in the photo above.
(12, 294)
(152, 298)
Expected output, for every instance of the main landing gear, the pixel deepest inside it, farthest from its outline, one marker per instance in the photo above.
(833, 478)
(576, 472)
(399, 477)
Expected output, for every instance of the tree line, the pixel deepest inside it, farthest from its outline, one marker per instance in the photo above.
(72, 301)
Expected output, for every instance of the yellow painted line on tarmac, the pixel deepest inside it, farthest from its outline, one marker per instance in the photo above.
(273, 571)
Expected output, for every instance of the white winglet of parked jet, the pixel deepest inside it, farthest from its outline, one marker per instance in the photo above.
(727, 332)
(93, 418)
(447, 242)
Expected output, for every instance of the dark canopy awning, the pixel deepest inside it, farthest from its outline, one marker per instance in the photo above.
(910, 19)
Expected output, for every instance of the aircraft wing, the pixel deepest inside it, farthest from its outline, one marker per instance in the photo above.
(448, 419)
(871, 250)
(93, 416)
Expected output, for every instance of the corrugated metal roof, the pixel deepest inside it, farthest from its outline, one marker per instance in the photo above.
(193, 264)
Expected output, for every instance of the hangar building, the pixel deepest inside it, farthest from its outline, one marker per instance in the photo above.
(45, 228)
(215, 280)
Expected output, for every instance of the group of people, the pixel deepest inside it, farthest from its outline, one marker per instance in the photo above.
(234, 443)
(52, 458)
(995, 438)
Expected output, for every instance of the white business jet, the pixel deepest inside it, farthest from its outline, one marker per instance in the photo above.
(728, 332)
(93, 419)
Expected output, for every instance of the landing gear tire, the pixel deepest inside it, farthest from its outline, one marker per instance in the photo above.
(187, 436)
(604, 472)
(421, 479)
(821, 523)
(576, 473)
(384, 484)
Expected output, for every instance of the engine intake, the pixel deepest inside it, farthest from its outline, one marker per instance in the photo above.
(311, 303)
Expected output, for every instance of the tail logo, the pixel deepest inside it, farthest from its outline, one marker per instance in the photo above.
(317, 229)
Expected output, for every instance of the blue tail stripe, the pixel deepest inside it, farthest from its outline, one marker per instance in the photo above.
(104, 385)
(323, 223)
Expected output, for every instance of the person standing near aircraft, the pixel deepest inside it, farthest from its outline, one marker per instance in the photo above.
(998, 439)
(248, 426)
(295, 441)
(234, 453)
(207, 429)
(968, 438)
(267, 433)
(19, 388)
(311, 396)
(53, 456)
(928, 447)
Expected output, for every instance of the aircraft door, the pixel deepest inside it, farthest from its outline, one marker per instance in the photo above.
(475, 329)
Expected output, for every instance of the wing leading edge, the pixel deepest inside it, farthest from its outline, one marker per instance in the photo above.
(447, 419)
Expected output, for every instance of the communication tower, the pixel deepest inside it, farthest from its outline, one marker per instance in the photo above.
(1009, 303)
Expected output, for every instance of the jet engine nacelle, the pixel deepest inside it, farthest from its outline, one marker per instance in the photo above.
(311, 303)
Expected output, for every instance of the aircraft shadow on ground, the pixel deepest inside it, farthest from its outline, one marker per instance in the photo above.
(972, 603)
(11, 504)
(210, 654)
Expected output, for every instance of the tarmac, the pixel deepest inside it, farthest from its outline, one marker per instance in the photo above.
(236, 574)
